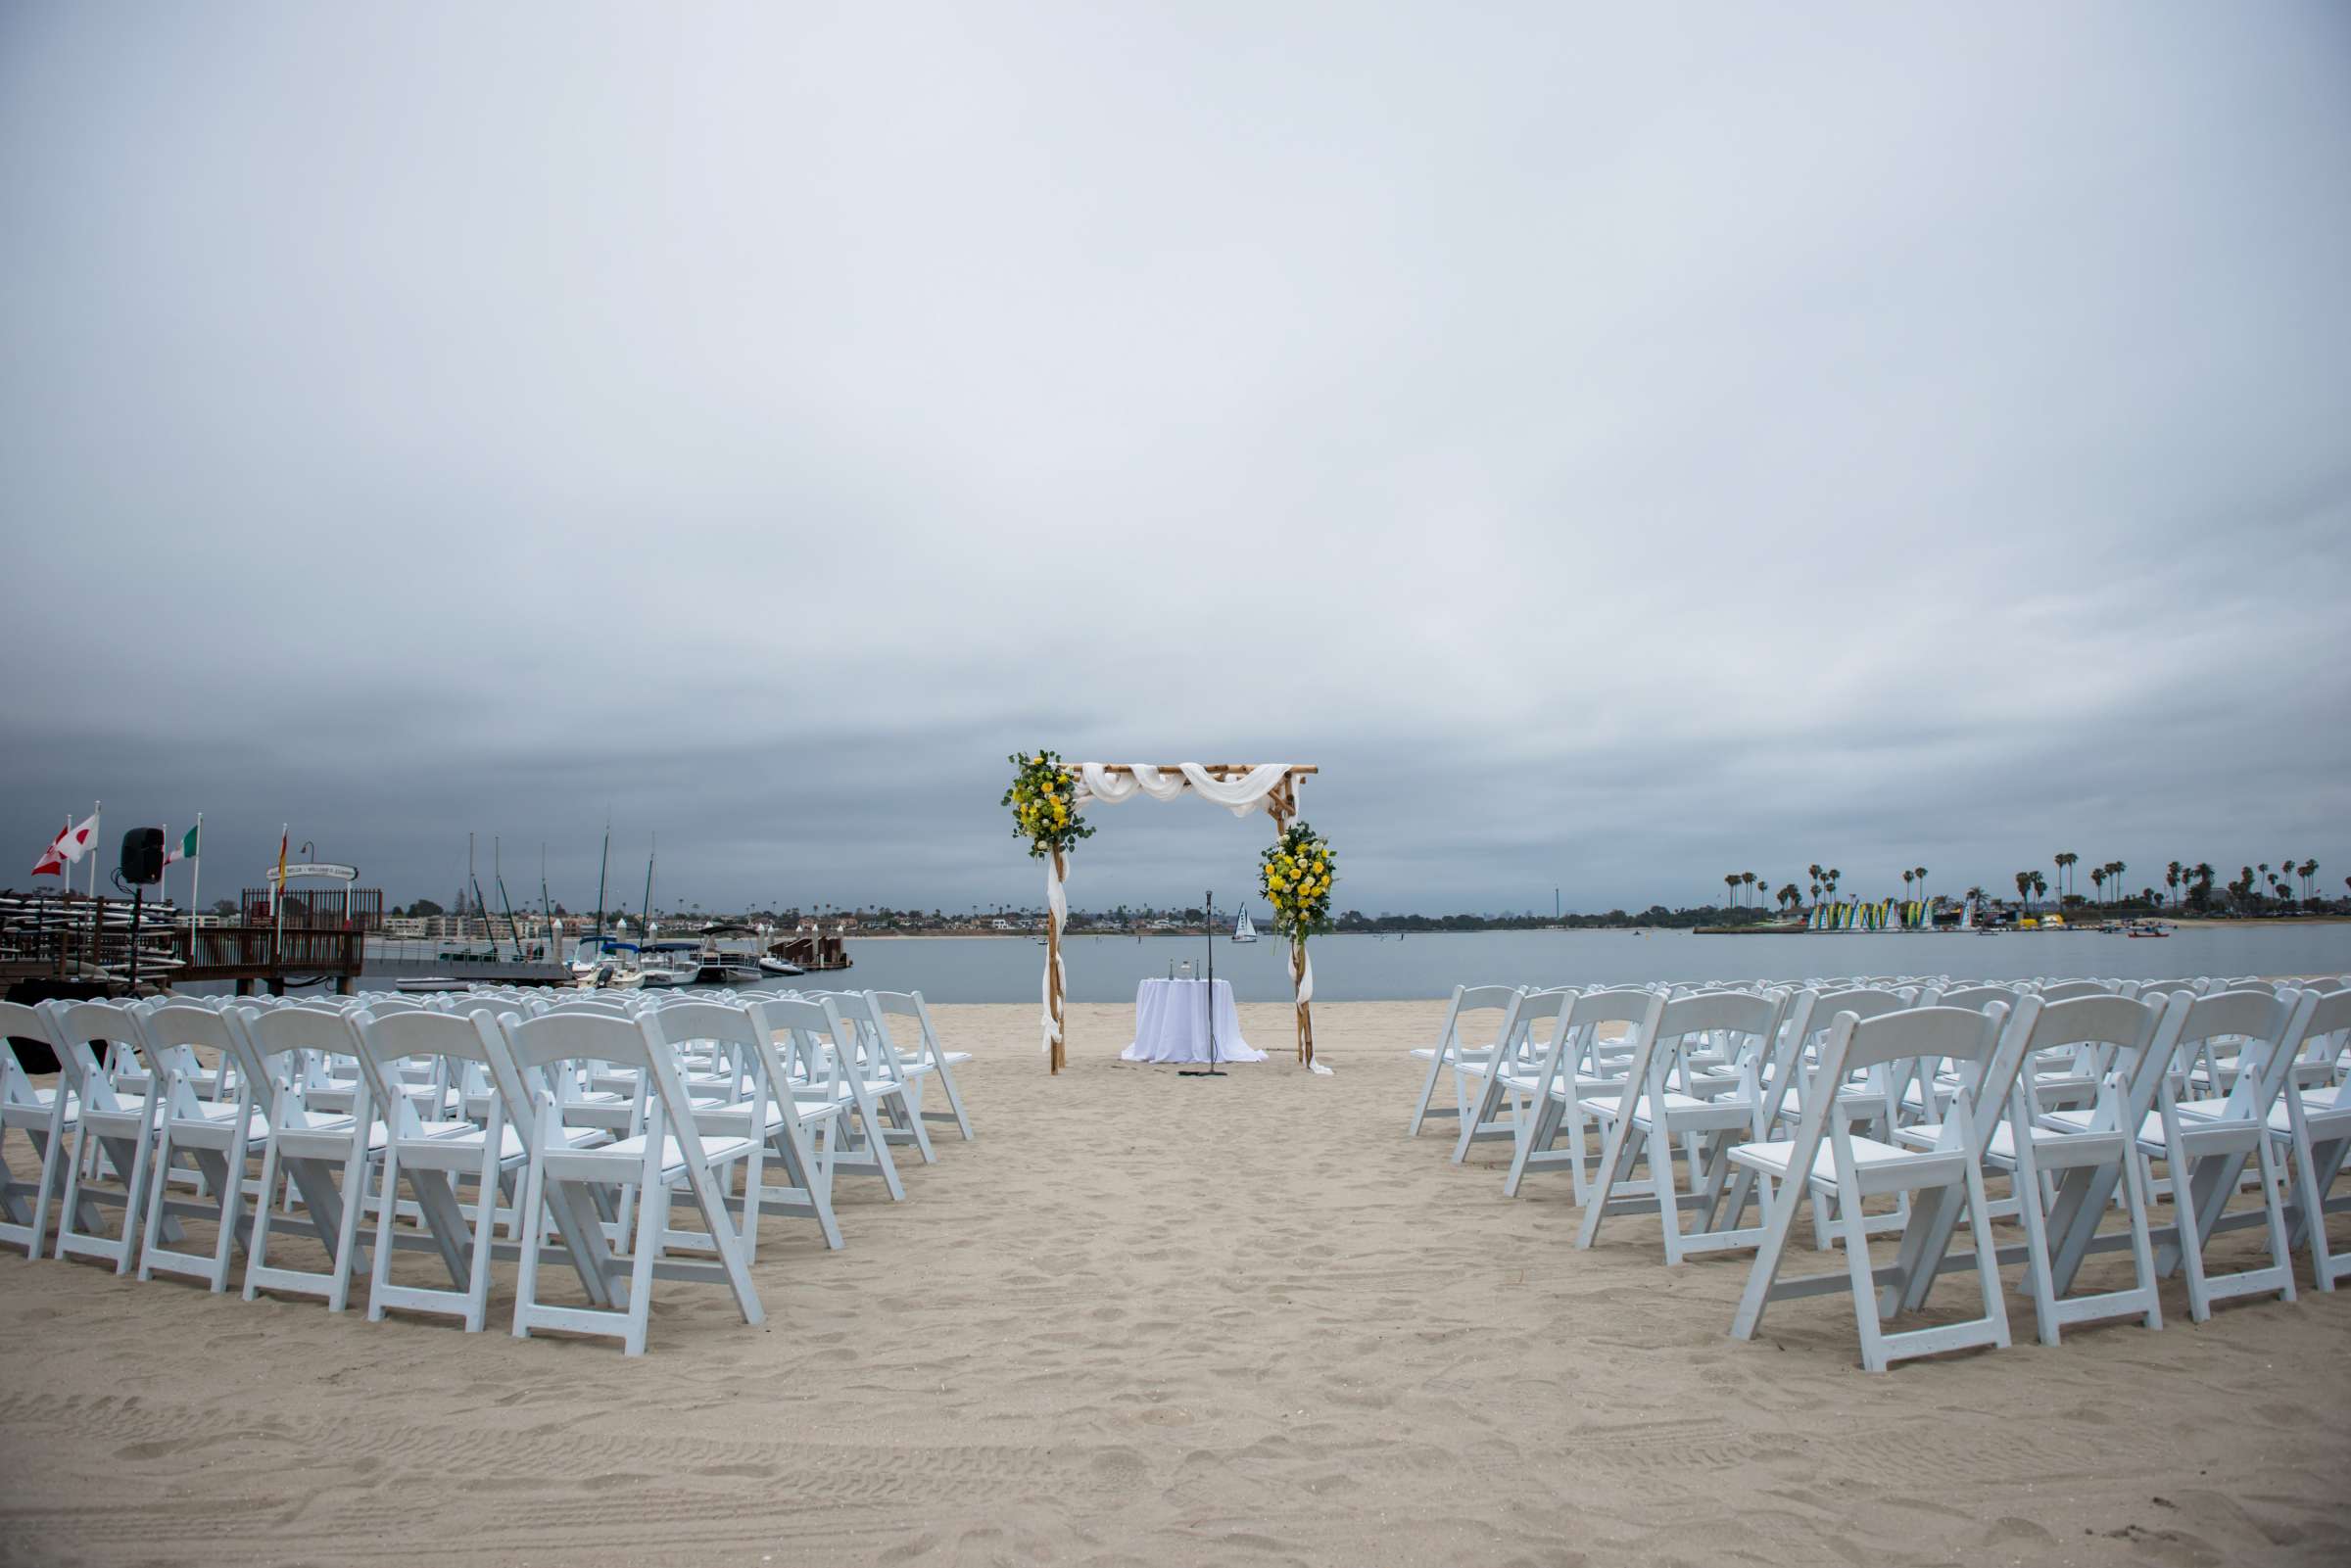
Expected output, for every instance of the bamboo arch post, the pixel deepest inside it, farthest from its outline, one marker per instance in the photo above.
(1281, 806)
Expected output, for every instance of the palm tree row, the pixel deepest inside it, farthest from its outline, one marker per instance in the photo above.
(2182, 881)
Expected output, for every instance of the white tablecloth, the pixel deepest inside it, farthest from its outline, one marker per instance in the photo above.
(1171, 1023)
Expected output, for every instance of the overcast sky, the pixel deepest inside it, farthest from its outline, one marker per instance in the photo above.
(1619, 446)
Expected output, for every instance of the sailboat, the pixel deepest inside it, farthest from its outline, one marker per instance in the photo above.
(1245, 929)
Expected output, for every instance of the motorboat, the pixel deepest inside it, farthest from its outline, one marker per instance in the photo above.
(669, 964)
(769, 963)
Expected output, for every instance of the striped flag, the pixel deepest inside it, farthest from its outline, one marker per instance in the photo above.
(186, 848)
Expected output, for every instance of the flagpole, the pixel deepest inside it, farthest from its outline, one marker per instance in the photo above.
(277, 905)
(96, 833)
(195, 885)
(64, 938)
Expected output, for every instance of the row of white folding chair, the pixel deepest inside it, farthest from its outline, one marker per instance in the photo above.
(2095, 1150)
(2189, 1148)
(266, 1119)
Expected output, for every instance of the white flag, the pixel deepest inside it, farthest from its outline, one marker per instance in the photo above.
(77, 842)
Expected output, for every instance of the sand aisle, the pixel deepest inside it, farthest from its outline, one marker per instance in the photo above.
(1152, 1321)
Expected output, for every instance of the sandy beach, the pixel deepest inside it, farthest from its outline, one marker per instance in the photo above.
(1145, 1319)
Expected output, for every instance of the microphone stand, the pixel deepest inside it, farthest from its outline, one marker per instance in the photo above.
(1212, 1071)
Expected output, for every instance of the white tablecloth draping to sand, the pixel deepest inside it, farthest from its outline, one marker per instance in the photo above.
(1171, 1023)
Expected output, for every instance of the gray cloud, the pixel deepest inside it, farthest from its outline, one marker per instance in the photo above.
(1619, 447)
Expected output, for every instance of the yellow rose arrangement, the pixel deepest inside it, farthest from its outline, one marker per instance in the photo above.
(1043, 801)
(1296, 874)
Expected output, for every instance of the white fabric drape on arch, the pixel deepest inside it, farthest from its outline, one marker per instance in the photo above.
(1240, 797)
(1057, 910)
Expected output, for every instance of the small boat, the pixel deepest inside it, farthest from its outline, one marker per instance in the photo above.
(1245, 929)
(669, 964)
(428, 982)
(772, 965)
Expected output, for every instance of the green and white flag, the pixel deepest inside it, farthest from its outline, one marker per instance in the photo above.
(187, 847)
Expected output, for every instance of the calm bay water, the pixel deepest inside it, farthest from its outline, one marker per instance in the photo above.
(1348, 969)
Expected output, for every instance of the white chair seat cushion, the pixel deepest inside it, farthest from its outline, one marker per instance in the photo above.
(2320, 1109)
(223, 1118)
(1926, 1135)
(1868, 1154)
(673, 1158)
(1606, 1107)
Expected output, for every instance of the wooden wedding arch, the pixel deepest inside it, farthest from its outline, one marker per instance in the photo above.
(1241, 788)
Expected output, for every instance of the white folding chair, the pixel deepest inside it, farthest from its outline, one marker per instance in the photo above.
(218, 1137)
(829, 1069)
(1825, 1151)
(311, 1146)
(2085, 1153)
(1481, 1078)
(1450, 1052)
(893, 1100)
(769, 1111)
(2314, 1125)
(113, 1124)
(434, 1153)
(927, 1059)
(44, 1116)
(1569, 1070)
(670, 1152)
(1648, 1114)
(2205, 1143)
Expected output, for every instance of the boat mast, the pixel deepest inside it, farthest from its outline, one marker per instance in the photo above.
(480, 905)
(498, 874)
(648, 933)
(602, 866)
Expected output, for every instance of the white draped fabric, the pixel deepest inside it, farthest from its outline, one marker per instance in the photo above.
(1171, 1023)
(1240, 797)
(1057, 910)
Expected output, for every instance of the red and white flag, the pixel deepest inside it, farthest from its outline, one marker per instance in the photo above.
(66, 849)
(53, 859)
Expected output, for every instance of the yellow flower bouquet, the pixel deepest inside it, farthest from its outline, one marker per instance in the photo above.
(1295, 874)
(1043, 801)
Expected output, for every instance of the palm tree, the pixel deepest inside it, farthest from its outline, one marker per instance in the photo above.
(1830, 878)
(1790, 897)
(1907, 876)
(2040, 885)
(1731, 881)
(2024, 888)
(2170, 879)
(2310, 878)
(2063, 861)
(1922, 881)
(2097, 880)
(1748, 878)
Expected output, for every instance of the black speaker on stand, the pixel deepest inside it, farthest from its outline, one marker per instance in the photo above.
(142, 868)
